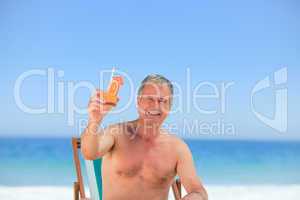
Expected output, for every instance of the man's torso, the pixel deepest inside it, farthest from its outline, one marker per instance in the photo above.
(137, 169)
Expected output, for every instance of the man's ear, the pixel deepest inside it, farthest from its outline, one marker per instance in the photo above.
(138, 100)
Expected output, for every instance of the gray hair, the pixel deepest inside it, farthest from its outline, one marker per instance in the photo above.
(157, 79)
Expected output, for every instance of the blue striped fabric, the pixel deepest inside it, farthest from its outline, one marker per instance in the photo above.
(94, 178)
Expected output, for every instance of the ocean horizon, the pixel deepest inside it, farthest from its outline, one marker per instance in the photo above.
(49, 162)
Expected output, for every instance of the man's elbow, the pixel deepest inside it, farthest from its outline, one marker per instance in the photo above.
(88, 154)
(89, 149)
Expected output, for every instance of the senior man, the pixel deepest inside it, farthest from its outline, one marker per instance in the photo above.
(140, 159)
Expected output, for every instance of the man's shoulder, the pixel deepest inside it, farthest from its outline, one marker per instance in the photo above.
(121, 129)
(178, 146)
(175, 140)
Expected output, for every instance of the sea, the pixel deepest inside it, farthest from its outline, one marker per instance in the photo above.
(230, 169)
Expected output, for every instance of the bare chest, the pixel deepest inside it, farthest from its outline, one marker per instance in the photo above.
(153, 166)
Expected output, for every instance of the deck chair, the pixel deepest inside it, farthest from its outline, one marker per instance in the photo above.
(94, 177)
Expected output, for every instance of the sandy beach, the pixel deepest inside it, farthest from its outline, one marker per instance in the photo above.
(291, 192)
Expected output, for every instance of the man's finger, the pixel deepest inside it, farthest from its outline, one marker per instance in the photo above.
(97, 100)
(97, 93)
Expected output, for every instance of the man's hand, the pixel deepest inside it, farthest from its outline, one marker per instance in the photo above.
(97, 107)
(195, 196)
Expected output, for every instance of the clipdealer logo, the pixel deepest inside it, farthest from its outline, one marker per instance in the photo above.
(189, 97)
(279, 121)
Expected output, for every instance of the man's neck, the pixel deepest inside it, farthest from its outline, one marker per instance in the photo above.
(147, 131)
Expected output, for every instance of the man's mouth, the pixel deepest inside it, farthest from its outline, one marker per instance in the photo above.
(153, 113)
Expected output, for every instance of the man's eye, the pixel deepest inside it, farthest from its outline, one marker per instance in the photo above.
(150, 99)
(163, 101)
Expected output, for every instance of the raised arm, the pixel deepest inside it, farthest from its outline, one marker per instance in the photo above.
(94, 143)
(188, 175)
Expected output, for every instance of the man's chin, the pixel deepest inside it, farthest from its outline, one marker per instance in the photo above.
(153, 120)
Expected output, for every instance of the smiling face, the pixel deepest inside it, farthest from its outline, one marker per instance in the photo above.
(154, 103)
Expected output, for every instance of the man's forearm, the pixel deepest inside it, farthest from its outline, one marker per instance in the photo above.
(90, 141)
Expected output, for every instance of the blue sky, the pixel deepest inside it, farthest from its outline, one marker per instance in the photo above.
(218, 41)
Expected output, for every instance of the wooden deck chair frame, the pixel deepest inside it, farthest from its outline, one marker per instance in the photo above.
(78, 187)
